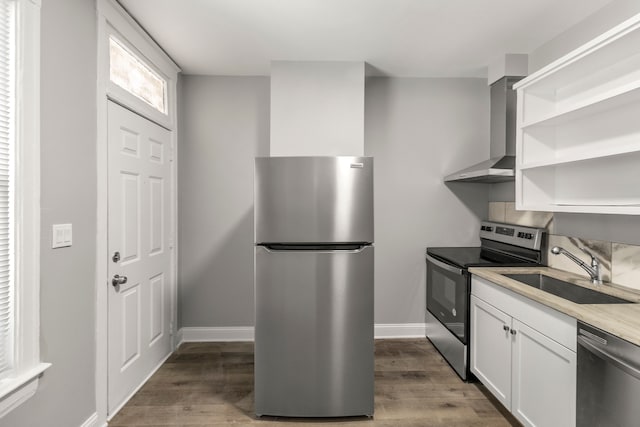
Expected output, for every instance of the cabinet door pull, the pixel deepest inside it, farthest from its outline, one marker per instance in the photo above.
(505, 327)
(513, 332)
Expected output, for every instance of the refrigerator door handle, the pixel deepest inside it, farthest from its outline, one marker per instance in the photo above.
(342, 248)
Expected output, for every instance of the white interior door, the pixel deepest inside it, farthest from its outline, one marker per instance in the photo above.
(139, 227)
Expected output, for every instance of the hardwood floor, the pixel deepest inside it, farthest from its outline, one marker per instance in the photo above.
(211, 384)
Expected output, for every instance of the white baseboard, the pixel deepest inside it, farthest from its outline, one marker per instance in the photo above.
(92, 421)
(246, 333)
(215, 334)
(400, 330)
(179, 338)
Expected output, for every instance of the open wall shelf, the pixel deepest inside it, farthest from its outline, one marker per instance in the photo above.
(578, 137)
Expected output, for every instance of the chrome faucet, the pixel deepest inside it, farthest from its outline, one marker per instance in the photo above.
(593, 270)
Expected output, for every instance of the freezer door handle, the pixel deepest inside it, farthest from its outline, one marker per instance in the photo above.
(343, 248)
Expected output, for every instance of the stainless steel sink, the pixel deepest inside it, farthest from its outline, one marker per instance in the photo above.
(566, 290)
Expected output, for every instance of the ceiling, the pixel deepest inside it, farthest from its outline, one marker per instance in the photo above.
(404, 38)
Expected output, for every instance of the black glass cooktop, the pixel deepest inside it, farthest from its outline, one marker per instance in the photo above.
(464, 257)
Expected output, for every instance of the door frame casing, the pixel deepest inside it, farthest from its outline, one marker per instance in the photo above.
(113, 19)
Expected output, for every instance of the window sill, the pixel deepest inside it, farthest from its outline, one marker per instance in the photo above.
(17, 389)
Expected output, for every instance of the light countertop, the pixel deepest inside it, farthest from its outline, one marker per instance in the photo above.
(622, 320)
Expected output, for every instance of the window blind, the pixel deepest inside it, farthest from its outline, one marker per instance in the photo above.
(7, 184)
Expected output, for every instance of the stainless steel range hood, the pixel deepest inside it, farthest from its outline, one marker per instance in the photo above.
(501, 165)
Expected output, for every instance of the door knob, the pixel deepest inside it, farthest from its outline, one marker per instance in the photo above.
(118, 280)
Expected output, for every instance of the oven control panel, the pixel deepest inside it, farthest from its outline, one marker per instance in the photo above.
(523, 235)
(518, 235)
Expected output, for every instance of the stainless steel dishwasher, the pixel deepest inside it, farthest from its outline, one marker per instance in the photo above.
(608, 383)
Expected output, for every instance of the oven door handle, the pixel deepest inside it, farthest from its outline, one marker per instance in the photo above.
(445, 266)
(593, 348)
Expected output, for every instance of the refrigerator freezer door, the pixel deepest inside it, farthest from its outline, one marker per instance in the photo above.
(314, 199)
(314, 354)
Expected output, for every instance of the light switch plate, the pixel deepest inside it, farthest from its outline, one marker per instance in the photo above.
(61, 236)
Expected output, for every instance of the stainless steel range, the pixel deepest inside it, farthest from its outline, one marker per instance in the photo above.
(449, 283)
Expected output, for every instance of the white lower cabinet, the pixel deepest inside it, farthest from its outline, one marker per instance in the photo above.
(532, 374)
(491, 349)
(543, 390)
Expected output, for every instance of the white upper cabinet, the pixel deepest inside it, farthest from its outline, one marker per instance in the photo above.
(578, 133)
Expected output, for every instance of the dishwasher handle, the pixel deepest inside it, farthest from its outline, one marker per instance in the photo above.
(445, 266)
(598, 351)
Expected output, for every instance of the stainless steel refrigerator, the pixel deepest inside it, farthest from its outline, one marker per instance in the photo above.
(314, 354)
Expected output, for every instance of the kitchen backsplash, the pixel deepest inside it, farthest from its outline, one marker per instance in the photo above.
(601, 250)
(506, 212)
(620, 263)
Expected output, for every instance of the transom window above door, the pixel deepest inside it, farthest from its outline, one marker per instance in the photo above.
(131, 73)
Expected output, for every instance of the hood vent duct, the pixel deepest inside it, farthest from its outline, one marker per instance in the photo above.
(501, 165)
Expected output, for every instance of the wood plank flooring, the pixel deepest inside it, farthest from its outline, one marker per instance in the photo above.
(211, 384)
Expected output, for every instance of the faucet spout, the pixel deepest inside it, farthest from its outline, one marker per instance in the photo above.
(593, 269)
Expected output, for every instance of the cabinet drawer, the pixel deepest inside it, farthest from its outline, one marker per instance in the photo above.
(555, 325)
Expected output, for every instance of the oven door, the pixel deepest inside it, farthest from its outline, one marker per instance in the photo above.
(448, 296)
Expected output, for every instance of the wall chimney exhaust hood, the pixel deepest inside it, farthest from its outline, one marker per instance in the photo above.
(501, 165)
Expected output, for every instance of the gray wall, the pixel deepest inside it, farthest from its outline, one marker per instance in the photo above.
(224, 125)
(317, 108)
(418, 130)
(66, 396)
(502, 192)
(601, 21)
